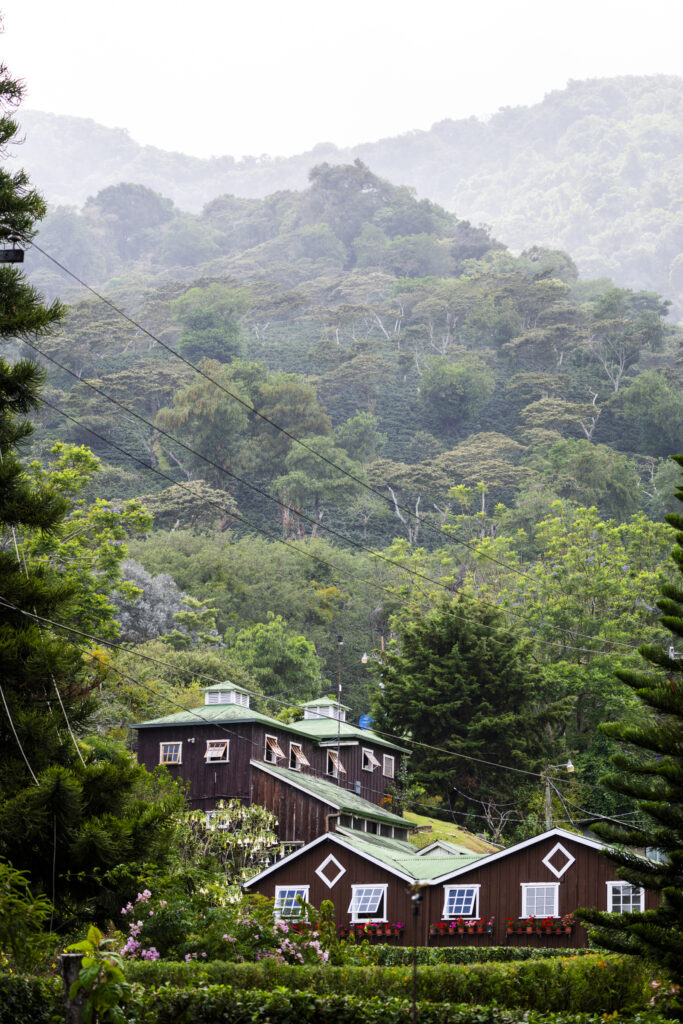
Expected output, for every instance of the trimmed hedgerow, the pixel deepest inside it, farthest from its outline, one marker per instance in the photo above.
(393, 956)
(38, 1000)
(587, 984)
(220, 1004)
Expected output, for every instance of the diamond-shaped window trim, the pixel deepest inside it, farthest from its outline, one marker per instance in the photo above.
(320, 871)
(558, 872)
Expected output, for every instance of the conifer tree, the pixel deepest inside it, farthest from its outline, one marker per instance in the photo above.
(82, 818)
(650, 769)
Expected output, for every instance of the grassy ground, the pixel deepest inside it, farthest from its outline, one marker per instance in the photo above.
(435, 829)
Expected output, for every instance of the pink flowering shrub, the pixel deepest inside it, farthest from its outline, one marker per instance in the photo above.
(191, 928)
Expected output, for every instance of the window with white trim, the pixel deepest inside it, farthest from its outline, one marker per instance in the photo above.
(287, 900)
(368, 903)
(273, 751)
(388, 766)
(460, 901)
(334, 765)
(369, 761)
(217, 750)
(170, 753)
(623, 898)
(540, 900)
(297, 758)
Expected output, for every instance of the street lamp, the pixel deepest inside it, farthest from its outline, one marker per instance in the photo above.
(568, 767)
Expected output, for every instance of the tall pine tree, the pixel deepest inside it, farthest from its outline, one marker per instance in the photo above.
(82, 818)
(650, 769)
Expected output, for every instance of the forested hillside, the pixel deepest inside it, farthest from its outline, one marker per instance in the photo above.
(594, 169)
(341, 406)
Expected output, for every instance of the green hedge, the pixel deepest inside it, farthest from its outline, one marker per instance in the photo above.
(587, 984)
(221, 1005)
(393, 956)
(31, 1000)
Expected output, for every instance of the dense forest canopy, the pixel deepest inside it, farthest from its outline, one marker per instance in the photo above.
(340, 407)
(593, 169)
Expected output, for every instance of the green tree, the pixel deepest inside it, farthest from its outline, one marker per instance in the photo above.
(280, 662)
(210, 318)
(453, 393)
(456, 680)
(649, 769)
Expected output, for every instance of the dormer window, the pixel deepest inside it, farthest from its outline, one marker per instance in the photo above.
(273, 751)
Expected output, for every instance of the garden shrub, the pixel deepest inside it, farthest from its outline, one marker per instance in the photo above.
(34, 1000)
(593, 983)
(224, 1005)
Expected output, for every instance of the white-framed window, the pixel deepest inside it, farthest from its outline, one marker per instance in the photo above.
(273, 751)
(334, 765)
(540, 899)
(369, 762)
(287, 900)
(170, 753)
(297, 758)
(217, 750)
(623, 898)
(388, 766)
(460, 901)
(368, 903)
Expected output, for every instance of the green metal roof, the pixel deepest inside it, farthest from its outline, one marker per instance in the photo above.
(420, 868)
(226, 687)
(326, 728)
(323, 702)
(400, 846)
(330, 793)
(218, 714)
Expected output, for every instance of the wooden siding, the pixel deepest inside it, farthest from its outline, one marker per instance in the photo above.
(208, 782)
(217, 781)
(301, 817)
(584, 883)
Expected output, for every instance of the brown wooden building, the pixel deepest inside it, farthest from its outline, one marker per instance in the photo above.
(310, 773)
(524, 895)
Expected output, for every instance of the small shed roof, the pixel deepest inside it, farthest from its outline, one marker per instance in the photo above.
(335, 796)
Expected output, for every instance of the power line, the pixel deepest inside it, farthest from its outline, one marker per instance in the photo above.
(274, 700)
(295, 440)
(356, 544)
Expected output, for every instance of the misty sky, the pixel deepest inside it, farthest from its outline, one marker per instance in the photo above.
(269, 76)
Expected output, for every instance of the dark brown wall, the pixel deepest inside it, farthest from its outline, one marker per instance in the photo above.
(301, 818)
(208, 782)
(217, 781)
(583, 884)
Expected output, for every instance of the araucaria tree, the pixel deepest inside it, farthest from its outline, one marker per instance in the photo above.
(82, 818)
(458, 682)
(649, 768)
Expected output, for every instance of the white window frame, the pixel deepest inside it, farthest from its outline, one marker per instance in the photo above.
(217, 760)
(272, 754)
(388, 766)
(336, 763)
(555, 886)
(369, 756)
(171, 743)
(355, 919)
(297, 763)
(474, 912)
(300, 890)
(619, 884)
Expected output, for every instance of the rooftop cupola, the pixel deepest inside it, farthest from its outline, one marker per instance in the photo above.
(325, 708)
(226, 693)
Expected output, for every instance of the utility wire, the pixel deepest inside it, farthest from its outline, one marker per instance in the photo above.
(374, 554)
(274, 700)
(295, 440)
